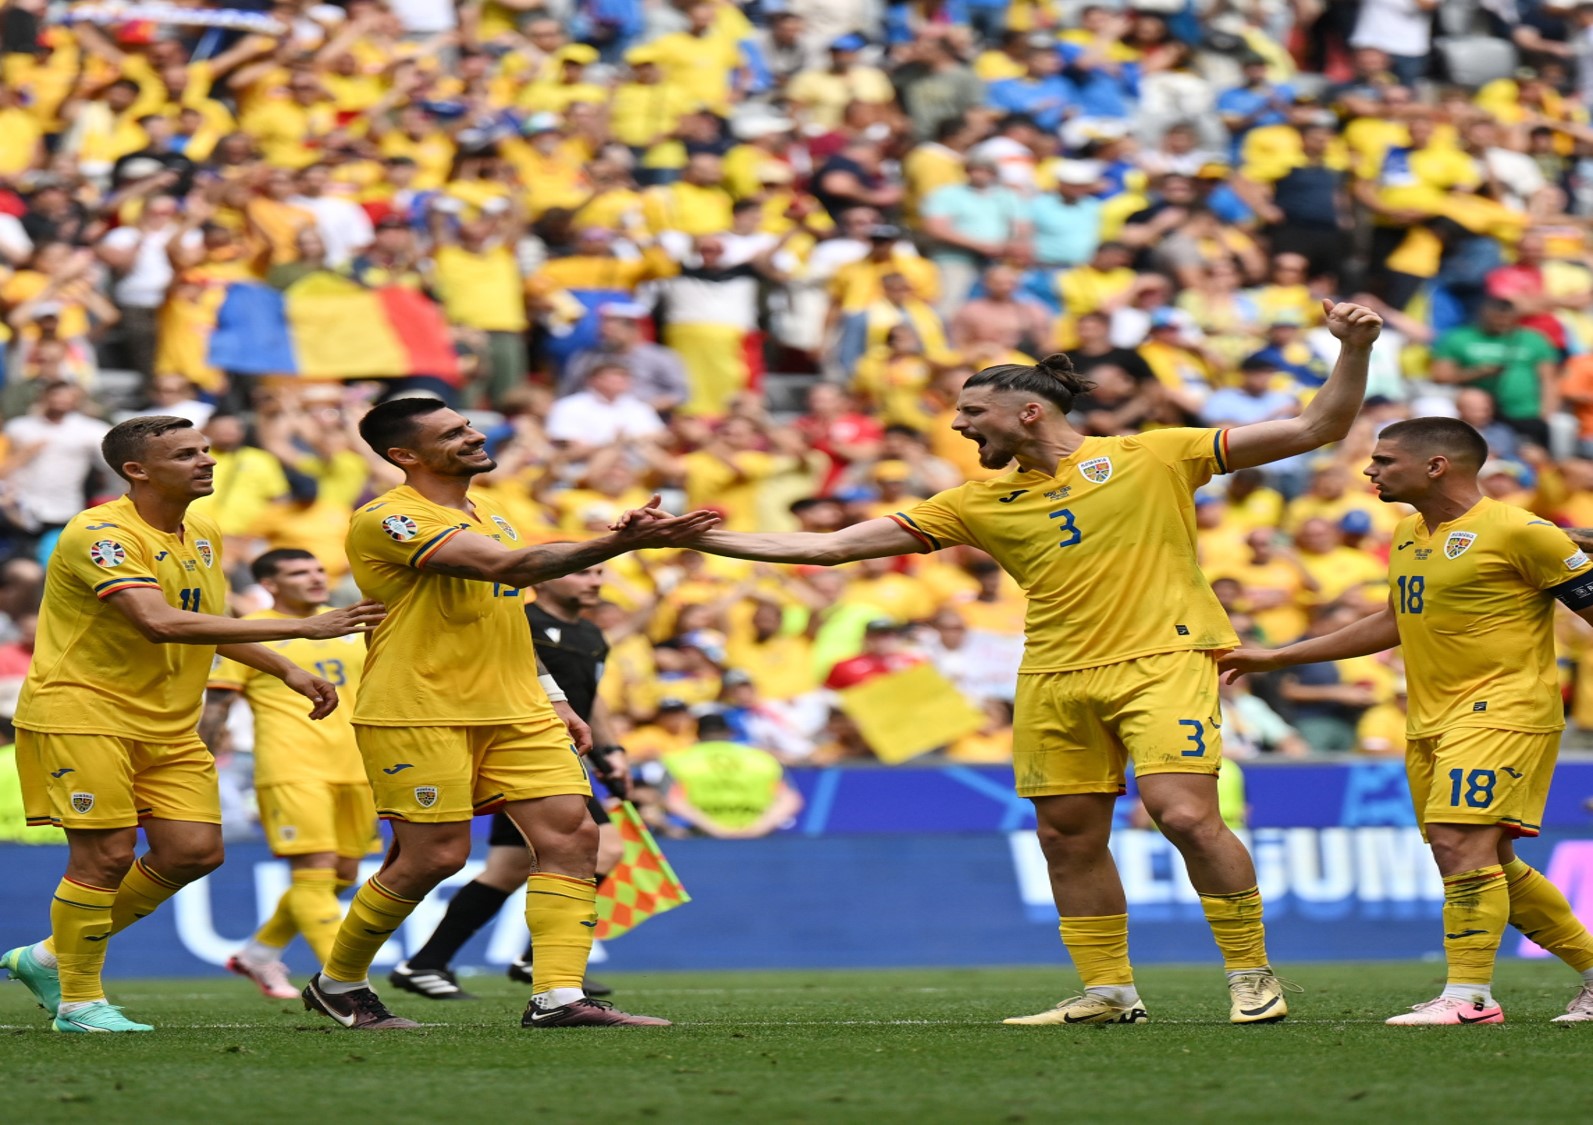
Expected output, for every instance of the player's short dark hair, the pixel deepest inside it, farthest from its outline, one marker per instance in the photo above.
(712, 726)
(267, 565)
(127, 440)
(1448, 436)
(1053, 379)
(392, 423)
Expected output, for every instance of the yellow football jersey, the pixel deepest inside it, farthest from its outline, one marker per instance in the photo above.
(453, 651)
(1104, 548)
(1474, 599)
(92, 671)
(289, 746)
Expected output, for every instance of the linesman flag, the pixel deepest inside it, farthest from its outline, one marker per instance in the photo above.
(642, 883)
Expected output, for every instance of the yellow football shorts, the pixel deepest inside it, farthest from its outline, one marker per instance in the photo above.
(1075, 732)
(106, 781)
(311, 817)
(434, 775)
(1473, 775)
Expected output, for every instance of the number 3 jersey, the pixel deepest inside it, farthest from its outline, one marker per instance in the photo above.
(1104, 547)
(92, 671)
(1474, 599)
(289, 746)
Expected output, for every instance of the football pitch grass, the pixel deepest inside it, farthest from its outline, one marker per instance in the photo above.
(918, 1046)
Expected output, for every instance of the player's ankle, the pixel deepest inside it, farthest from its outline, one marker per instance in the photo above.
(259, 953)
(557, 997)
(44, 956)
(1472, 992)
(1120, 994)
(334, 987)
(69, 1006)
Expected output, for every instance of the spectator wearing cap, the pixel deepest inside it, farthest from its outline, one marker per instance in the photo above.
(1067, 222)
(1255, 399)
(937, 88)
(570, 85)
(658, 377)
(1043, 93)
(971, 225)
(603, 413)
(725, 789)
(885, 650)
(820, 95)
(644, 113)
(705, 58)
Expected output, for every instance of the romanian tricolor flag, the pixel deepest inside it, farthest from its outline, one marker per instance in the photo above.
(325, 326)
(642, 883)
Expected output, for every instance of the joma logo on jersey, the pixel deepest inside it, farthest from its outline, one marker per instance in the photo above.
(1097, 470)
(1457, 543)
(206, 553)
(82, 802)
(425, 796)
(401, 528)
(503, 525)
(108, 553)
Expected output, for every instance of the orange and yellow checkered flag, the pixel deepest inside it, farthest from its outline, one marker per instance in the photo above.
(642, 883)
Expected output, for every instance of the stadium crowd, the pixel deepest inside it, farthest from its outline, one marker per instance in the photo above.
(745, 256)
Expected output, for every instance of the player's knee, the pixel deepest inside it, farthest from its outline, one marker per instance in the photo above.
(105, 866)
(443, 859)
(193, 862)
(1190, 825)
(1063, 842)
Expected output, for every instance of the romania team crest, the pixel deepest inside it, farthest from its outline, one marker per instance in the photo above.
(425, 796)
(206, 552)
(1458, 541)
(1097, 470)
(82, 802)
(107, 553)
(401, 528)
(503, 526)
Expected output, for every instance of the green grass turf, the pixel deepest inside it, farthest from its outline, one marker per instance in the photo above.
(921, 1046)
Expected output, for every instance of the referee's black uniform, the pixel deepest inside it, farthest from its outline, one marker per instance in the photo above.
(573, 652)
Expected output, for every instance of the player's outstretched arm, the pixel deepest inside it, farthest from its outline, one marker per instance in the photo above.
(159, 622)
(871, 539)
(1330, 414)
(467, 555)
(1376, 633)
(321, 694)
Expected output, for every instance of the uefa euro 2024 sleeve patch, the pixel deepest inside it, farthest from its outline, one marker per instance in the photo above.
(108, 553)
(401, 528)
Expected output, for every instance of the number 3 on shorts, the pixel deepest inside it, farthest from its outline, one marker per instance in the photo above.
(1197, 736)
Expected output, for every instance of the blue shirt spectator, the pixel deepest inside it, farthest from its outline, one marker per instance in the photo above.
(1043, 94)
(1258, 102)
(1067, 224)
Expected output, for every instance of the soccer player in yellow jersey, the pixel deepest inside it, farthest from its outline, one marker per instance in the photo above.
(1122, 637)
(105, 725)
(1472, 587)
(450, 719)
(315, 803)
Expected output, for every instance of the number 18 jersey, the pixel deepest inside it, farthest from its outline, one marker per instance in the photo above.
(1104, 547)
(1474, 600)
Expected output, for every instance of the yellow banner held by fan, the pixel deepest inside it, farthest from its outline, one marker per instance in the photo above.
(904, 714)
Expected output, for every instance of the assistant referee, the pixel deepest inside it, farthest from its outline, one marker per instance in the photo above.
(570, 651)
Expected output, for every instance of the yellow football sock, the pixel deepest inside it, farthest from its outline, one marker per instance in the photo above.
(281, 928)
(143, 889)
(1539, 910)
(1235, 922)
(80, 921)
(372, 917)
(561, 912)
(1476, 906)
(313, 901)
(1099, 948)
